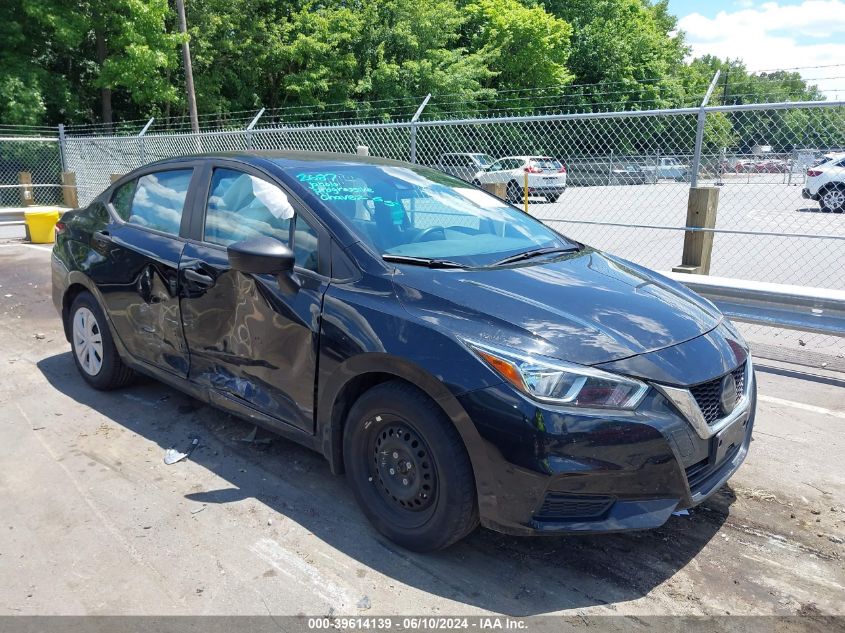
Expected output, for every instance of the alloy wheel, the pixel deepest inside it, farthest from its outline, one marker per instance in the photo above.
(834, 199)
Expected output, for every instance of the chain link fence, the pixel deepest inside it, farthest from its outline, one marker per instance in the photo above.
(629, 174)
(32, 151)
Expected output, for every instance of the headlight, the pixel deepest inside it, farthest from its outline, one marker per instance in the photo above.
(559, 382)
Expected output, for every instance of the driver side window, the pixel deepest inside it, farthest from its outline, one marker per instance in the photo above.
(242, 206)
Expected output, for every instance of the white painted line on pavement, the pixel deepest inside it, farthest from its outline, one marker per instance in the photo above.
(805, 407)
(49, 249)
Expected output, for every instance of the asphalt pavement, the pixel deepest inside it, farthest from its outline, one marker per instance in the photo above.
(94, 522)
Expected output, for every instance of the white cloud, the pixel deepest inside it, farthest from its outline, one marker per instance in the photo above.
(774, 35)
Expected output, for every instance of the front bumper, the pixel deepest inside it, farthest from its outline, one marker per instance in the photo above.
(558, 472)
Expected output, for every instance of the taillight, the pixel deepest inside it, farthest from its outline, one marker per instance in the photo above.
(531, 169)
(812, 173)
(562, 169)
(60, 227)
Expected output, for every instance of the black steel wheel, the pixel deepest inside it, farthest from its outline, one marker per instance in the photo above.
(408, 468)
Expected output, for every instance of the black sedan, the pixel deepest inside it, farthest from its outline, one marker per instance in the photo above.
(460, 361)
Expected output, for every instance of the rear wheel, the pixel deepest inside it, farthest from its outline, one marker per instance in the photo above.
(94, 351)
(833, 199)
(409, 469)
(554, 197)
(514, 191)
(476, 182)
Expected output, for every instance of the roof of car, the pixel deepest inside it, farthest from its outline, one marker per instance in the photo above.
(280, 157)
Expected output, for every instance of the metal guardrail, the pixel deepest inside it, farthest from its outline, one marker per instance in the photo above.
(817, 310)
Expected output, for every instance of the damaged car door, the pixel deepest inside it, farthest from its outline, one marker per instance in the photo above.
(140, 286)
(253, 341)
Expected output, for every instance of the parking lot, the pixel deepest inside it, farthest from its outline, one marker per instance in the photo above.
(255, 528)
(754, 204)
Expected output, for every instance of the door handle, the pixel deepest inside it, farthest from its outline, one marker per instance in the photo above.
(102, 236)
(199, 278)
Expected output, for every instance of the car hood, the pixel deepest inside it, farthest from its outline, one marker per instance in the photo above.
(586, 307)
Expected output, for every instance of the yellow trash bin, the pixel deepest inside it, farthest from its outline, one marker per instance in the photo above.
(41, 226)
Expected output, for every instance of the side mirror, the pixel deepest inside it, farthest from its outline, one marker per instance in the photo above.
(264, 255)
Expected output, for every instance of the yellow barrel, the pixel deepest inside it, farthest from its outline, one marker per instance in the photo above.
(41, 225)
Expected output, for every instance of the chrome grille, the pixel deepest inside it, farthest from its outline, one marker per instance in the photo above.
(707, 394)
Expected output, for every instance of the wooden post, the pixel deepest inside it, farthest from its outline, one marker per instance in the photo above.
(115, 177)
(698, 245)
(70, 194)
(498, 189)
(25, 180)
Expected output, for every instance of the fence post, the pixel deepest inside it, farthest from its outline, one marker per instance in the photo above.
(70, 194)
(414, 127)
(498, 189)
(25, 181)
(250, 126)
(62, 158)
(699, 131)
(698, 245)
(142, 153)
(610, 169)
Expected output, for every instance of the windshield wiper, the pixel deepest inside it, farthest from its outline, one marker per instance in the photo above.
(537, 252)
(421, 261)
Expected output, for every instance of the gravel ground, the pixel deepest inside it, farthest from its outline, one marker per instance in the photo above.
(94, 522)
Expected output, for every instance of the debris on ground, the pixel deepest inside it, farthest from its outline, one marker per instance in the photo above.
(171, 455)
(40, 336)
(198, 510)
(250, 439)
(680, 513)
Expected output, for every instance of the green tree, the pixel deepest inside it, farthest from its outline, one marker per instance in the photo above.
(627, 50)
(111, 45)
(523, 46)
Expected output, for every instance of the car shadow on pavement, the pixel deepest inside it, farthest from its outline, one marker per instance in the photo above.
(510, 575)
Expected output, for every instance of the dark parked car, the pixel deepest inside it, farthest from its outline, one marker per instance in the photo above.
(593, 173)
(458, 359)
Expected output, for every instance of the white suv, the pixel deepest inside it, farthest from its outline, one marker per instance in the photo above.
(826, 183)
(546, 176)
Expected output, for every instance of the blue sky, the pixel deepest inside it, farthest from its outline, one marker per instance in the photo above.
(770, 34)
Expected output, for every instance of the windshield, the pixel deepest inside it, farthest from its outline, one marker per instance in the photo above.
(546, 164)
(419, 212)
(484, 160)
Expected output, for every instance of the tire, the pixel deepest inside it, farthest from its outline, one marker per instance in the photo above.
(98, 362)
(394, 430)
(476, 182)
(514, 192)
(554, 197)
(832, 199)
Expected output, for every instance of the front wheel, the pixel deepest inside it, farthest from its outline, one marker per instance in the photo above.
(94, 351)
(833, 199)
(476, 182)
(409, 469)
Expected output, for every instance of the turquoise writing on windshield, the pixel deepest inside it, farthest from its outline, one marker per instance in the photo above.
(331, 186)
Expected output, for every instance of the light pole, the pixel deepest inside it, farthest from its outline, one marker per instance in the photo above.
(189, 72)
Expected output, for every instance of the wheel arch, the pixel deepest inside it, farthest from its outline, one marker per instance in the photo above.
(360, 373)
(77, 283)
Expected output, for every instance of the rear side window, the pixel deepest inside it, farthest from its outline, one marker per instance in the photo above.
(160, 199)
(122, 198)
